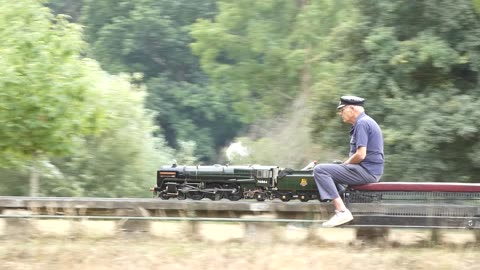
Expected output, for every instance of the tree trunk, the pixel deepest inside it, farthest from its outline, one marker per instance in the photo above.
(34, 179)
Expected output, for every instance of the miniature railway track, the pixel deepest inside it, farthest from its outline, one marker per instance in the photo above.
(397, 215)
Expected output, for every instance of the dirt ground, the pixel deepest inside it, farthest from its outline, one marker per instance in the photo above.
(141, 252)
(170, 245)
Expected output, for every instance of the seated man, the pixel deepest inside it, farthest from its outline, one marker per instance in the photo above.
(365, 162)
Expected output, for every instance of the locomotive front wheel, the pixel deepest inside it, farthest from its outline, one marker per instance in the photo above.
(163, 195)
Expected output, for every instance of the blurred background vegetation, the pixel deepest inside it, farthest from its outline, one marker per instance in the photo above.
(95, 95)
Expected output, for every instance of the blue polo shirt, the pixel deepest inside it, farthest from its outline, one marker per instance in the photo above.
(366, 132)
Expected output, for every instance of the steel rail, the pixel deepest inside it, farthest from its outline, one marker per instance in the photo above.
(206, 219)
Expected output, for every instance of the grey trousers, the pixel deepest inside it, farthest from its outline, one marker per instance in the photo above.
(329, 176)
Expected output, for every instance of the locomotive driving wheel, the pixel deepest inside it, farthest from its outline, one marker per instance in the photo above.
(215, 196)
(196, 195)
(181, 195)
(235, 195)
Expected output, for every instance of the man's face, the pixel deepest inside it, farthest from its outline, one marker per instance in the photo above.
(347, 114)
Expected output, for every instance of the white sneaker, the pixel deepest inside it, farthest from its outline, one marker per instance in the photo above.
(338, 219)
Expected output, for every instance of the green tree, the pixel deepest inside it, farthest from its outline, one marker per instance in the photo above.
(190, 112)
(268, 57)
(152, 37)
(416, 63)
(263, 53)
(43, 85)
(62, 118)
(121, 160)
(118, 159)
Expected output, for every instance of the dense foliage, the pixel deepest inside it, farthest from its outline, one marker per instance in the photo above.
(267, 55)
(417, 63)
(263, 53)
(63, 118)
(200, 73)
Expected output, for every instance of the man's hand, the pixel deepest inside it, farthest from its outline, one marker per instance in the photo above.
(358, 156)
(310, 166)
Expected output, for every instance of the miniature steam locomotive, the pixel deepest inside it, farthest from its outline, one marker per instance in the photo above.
(234, 183)
(271, 182)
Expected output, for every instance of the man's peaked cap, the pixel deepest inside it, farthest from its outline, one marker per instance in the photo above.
(350, 100)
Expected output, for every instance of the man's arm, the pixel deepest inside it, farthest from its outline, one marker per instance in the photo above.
(358, 156)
